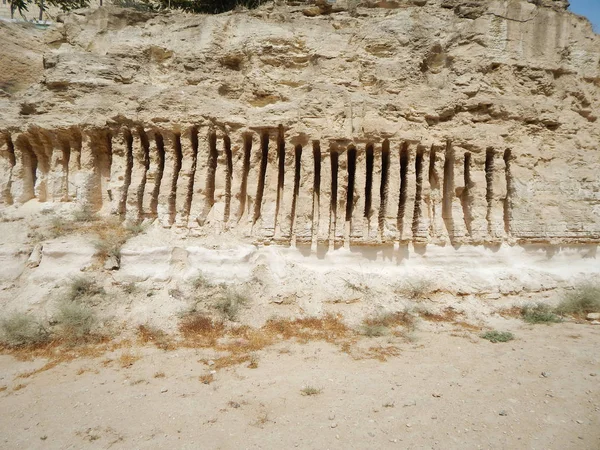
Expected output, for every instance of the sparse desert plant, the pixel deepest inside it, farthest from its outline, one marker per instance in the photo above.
(200, 282)
(539, 313)
(415, 289)
(230, 303)
(373, 330)
(82, 287)
(498, 336)
(59, 227)
(85, 214)
(76, 321)
(129, 288)
(583, 299)
(310, 390)
(355, 286)
(380, 324)
(22, 330)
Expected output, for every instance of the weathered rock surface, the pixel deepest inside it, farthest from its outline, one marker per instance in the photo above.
(430, 121)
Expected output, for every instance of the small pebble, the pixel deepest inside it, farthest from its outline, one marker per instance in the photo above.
(163, 390)
(503, 413)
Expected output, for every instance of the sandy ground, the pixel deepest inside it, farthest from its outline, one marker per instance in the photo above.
(447, 389)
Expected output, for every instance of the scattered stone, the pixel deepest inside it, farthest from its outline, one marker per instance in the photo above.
(333, 425)
(579, 421)
(503, 413)
(436, 395)
(35, 257)
(590, 316)
(163, 390)
(210, 362)
(544, 374)
(593, 374)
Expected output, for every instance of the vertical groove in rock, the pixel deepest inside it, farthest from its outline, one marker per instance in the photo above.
(42, 164)
(160, 149)
(280, 172)
(448, 190)
(189, 197)
(176, 169)
(370, 160)
(465, 198)
(351, 175)
(403, 188)
(145, 147)
(245, 171)
(509, 191)
(489, 182)
(351, 168)
(228, 176)
(383, 187)
(334, 157)
(9, 160)
(213, 156)
(297, 172)
(128, 169)
(260, 189)
(63, 162)
(418, 191)
(434, 187)
(316, 192)
(29, 164)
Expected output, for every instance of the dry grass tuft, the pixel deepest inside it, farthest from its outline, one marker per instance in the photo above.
(310, 391)
(159, 375)
(207, 378)
(127, 359)
(200, 330)
(329, 328)
(148, 334)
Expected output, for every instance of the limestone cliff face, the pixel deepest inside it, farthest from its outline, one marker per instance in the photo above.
(427, 121)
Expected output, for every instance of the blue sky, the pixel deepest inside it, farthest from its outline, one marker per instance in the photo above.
(589, 9)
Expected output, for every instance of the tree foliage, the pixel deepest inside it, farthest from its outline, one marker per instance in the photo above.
(193, 6)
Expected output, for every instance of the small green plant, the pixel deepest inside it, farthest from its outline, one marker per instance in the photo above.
(498, 336)
(310, 390)
(539, 313)
(583, 299)
(83, 287)
(373, 330)
(76, 321)
(22, 330)
(380, 324)
(230, 303)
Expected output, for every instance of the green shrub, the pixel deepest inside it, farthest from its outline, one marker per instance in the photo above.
(584, 299)
(498, 336)
(83, 287)
(76, 321)
(539, 313)
(22, 330)
(230, 303)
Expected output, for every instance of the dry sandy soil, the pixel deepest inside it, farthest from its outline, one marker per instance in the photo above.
(446, 388)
